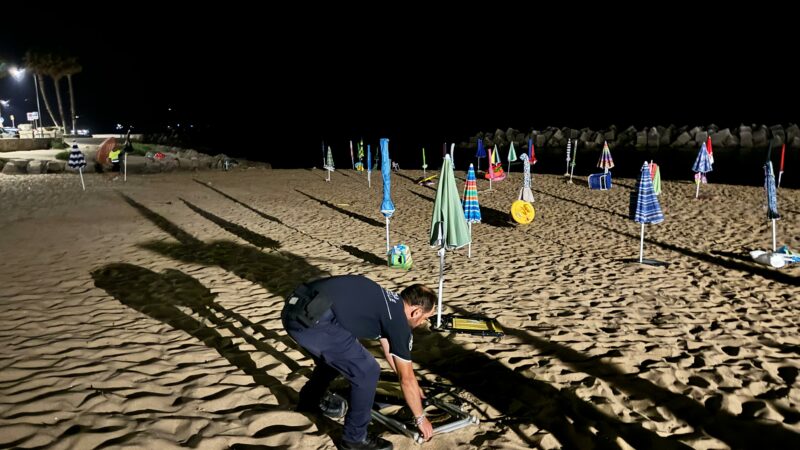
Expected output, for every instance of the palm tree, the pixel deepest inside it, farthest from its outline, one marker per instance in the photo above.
(57, 69)
(71, 69)
(39, 63)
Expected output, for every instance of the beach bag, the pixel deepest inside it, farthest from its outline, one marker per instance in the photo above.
(400, 257)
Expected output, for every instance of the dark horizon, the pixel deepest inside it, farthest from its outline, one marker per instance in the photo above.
(260, 92)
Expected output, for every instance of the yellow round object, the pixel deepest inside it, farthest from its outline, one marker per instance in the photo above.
(522, 212)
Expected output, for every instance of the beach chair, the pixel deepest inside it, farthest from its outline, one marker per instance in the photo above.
(600, 181)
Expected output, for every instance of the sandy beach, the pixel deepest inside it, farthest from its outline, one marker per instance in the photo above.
(145, 314)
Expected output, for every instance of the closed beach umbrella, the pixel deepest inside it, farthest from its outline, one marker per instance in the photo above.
(710, 150)
(648, 211)
(569, 155)
(329, 163)
(424, 164)
(512, 155)
(780, 169)
(449, 228)
(531, 152)
(772, 198)
(655, 175)
(472, 210)
(525, 192)
(77, 161)
(605, 162)
(387, 207)
(369, 166)
(481, 153)
(702, 165)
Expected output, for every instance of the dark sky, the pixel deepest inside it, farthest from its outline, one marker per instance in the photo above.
(276, 80)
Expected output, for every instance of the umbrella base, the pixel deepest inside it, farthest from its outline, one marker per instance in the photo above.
(646, 261)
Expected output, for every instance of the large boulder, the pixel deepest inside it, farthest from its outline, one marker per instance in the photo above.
(795, 142)
(700, 137)
(745, 138)
(56, 166)
(732, 142)
(541, 139)
(666, 136)
(760, 137)
(611, 134)
(720, 138)
(653, 137)
(36, 166)
(641, 138)
(15, 166)
(778, 134)
(682, 140)
(792, 132)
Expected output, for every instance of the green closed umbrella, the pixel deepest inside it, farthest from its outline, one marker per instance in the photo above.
(449, 228)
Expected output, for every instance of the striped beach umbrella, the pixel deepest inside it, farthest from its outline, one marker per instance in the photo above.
(531, 152)
(655, 175)
(780, 169)
(605, 162)
(648, 211)
(387, 207)
(77, 161)
(710, 149)
(472, 209)
(702, 165)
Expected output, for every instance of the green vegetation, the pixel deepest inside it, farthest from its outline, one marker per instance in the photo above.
(141, 149)
(63, 156)
(58, 143)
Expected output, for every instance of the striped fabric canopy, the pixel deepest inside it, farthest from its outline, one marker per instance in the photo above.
(472, 210)
(647, 208)
(702, 164)
(605, 161)
(76, 158)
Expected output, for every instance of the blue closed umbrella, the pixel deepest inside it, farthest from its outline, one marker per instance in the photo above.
(702, 165)
(387, 207)
(647, 208)
(481, 153)
(369, 166)
(772, 199)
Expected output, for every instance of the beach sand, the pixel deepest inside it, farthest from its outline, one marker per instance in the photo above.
(146, 314)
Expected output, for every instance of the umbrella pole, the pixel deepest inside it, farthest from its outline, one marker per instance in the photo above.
(641, 244)
(441, 286)
(369, 180)
(80, 171)
(697, 192)
(469, 248)
(329, 176)
(387, 235)
(572, 171)
(780, 174)
(125, 163)
(774, 247)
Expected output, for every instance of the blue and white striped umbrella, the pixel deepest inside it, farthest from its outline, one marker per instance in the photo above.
(647, 208)
(702, 164)
(76, 158)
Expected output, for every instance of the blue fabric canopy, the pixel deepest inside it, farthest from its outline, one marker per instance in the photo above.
(647, 208)
(387, 207)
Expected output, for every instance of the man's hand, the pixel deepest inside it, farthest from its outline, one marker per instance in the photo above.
(426, 429)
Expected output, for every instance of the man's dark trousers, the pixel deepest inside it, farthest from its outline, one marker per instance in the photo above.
(336, 351)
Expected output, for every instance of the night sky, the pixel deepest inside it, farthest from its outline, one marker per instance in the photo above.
(265, 86)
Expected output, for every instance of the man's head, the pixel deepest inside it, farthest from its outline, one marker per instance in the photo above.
(418, 302)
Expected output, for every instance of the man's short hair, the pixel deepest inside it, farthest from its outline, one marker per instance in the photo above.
(419, 295)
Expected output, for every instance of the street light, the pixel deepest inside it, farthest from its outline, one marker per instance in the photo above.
(18, 73)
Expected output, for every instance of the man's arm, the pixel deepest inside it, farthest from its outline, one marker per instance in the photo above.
(413, 395)
(386, 354)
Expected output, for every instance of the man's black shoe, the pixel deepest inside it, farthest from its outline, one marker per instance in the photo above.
(331, 405)
(369, 443)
